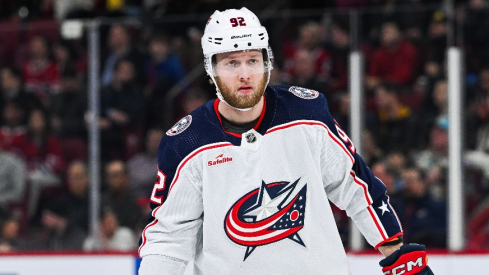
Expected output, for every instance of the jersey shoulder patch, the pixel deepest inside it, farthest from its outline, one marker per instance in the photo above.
(180, 126)
(303, 92)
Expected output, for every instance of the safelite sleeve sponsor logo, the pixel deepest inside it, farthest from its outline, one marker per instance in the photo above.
(219, 160)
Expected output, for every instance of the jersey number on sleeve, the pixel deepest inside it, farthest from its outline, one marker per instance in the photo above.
(159, 185)
(344, 137)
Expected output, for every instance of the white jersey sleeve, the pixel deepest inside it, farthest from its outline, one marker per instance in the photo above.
(169, 241)
(352, 187)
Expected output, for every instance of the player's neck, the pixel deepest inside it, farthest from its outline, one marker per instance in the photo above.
(238, 116)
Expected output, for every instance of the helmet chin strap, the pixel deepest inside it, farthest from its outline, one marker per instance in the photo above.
(221, 98)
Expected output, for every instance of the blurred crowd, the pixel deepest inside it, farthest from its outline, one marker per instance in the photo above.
(44, 176)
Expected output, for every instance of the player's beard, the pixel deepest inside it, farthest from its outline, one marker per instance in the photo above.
(239, 100)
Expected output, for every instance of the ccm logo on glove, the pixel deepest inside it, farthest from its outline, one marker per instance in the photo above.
(409, 267)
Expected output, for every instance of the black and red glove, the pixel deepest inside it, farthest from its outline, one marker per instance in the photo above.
(410, 259)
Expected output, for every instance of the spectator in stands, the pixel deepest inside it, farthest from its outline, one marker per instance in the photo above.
(341, 111)
(394, 61)
(393, 129)
(194, 55)
(423, 219)
(41, 74)
(118, 197)
(440, 98)
(304, 72)
(64, 220)
(112, 236)
(42, 154)
(434, 160)
(432, 73)
(388, 176)
(194, 98)
(436, 46)
(75, 201)
(120, 47)
(67, 110)
(56, 232)
(340, 51)
(398, 161)
(436, 155)
(122, 106)
(431, 114)
(478, 127)
(163, 68)
(476, 24)
(13, 133)
(478, 109)
(371, 152)
(12, 88)
(9, 232)
(12, 179)
(309, 40)
(66, 58)
(42, 151)
(142, 173)
(68, 107)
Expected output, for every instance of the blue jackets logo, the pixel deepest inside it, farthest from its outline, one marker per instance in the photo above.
(303, 92)
(268, 214)
(180, 126)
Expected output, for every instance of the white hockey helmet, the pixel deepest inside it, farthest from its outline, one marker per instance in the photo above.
(234, 30)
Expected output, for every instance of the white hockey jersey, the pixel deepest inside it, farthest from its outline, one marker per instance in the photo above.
(257, 203)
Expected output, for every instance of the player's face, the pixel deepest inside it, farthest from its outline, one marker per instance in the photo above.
(241, 77)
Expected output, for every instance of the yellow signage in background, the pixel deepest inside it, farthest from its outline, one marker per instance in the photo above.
(114, 4)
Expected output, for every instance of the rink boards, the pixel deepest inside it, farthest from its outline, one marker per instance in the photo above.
(127, 264)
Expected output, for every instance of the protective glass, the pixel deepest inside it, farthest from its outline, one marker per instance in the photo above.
(240, 64)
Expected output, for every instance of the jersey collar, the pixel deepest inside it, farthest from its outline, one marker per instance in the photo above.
(216, 105)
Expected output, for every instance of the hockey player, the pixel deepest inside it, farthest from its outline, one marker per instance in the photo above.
(244, 182)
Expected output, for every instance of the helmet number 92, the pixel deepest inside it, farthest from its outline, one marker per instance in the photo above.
(237, 21)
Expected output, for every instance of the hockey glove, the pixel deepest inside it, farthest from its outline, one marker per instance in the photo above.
(410, 259)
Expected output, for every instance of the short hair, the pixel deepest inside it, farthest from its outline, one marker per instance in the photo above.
(421, 172)
(310, 25)
(16, 72)
(119, 62)
(79, 162)
(392, 23)
(121, 162)
(124, 28)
